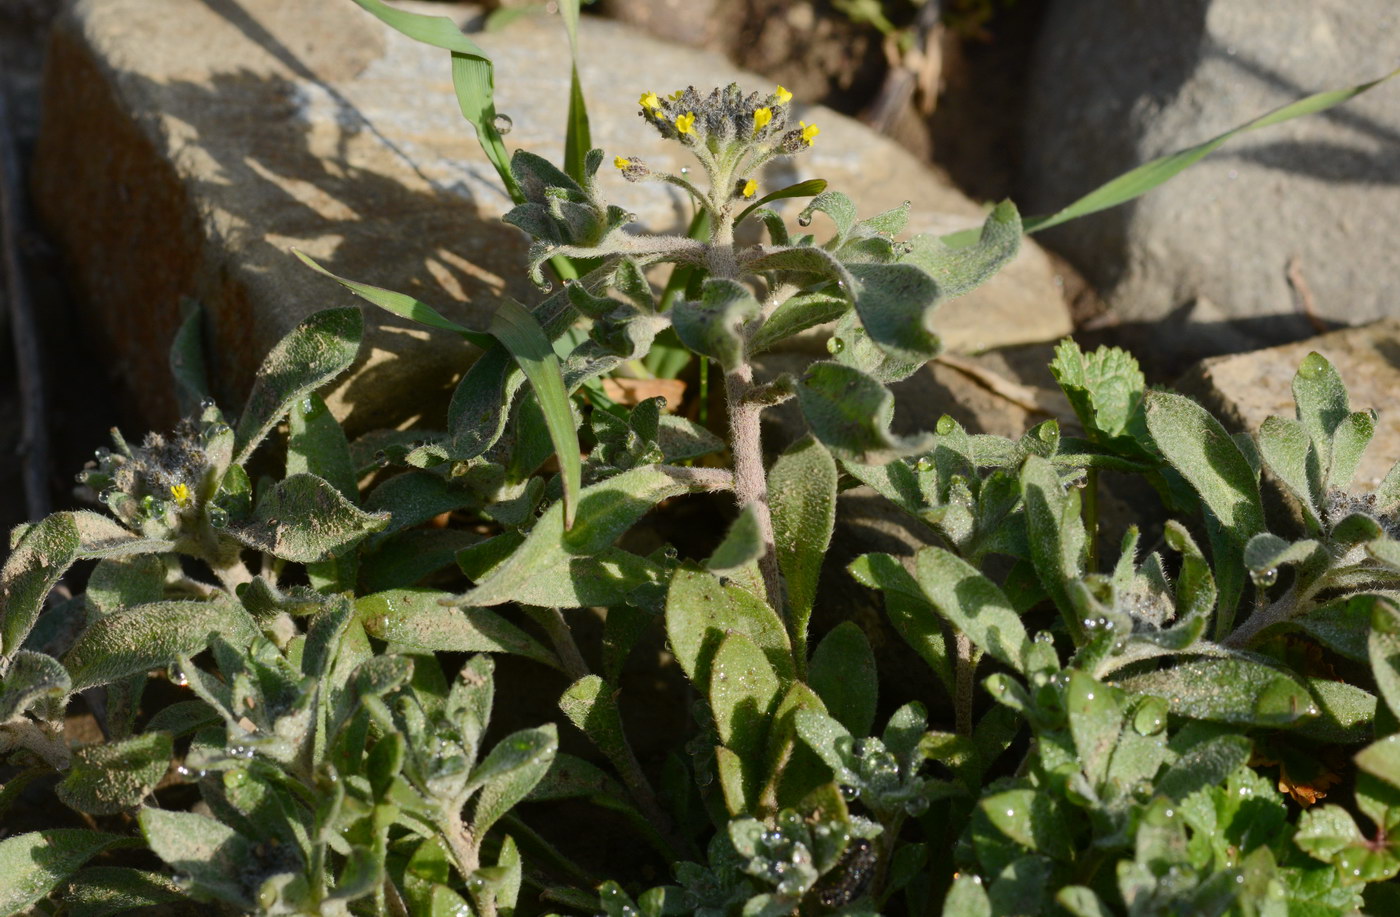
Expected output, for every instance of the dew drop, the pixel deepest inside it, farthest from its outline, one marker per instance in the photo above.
(503, 124)
(945, 425)
(1150, 718)
(1264, 578)
(924, 464)
(685, 170)
(804, 219)
(835, 345)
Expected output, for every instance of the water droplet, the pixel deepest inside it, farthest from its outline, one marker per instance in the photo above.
(804, 219)
(1010, 813)
(1045, 637)
(503, 124)
(685, 170)
(924, 464)
(945, 425)
(1264, 578)
(835, 345)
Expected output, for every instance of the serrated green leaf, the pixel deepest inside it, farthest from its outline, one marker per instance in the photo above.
(112, 778)
(516, 328)
(1106, 389)
(316, 351)
(843, 675)
(1382, 759)
(304, 519)
(30, 572)
(417, 618)
(144, 637)
(701, 610)
(34, 864)
(850, 413)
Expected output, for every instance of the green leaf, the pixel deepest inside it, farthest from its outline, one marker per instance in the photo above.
(34, 864)
(118, 582)
(967, 898)
(305, 519)
(1322, 403)
(1030, 818)
(744, 690)
(973, 604)
(113, 778)
(1056, 535)
(415, 497)
(909, 610)
(1204, 765)
(714, 325)
(30, 572)
(741, 546)
(895, 303)
(590, 705)
(102, 890)
(1145, 177)
(144, 637)
(796, 314)
(212, 854)
(843, 675)
(1106, 389)
(1211, 461)
(1349, 441)
(1382, 759)
(605, 511)
(850, 413)
(1329, 834)
(1346, 713)
(1227, 689)
(401, 304)
(1284, 445)
(510, 772)
(187, 361)
(1095, 714)
(1383, 647)
(417, 618)
(801, 189)
(31, 676)
(802, 497)
(1081, 902)
(701, 610)
(316, 351)
(831, 742)
(520, 332)
(960, 270)
(316, 445)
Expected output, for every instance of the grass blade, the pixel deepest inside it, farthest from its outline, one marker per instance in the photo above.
(522, 335)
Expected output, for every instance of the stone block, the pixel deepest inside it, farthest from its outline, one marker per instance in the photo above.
(1115, 83)
(1244, 389)
(188, 147)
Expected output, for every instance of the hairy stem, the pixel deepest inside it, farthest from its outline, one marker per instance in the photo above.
(1091, 517)
(750, 481)
(552, 620)
(1281, 609)
(962, 680)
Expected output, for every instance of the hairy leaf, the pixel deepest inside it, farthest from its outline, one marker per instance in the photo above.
(843, 675)
(316, 351)
(304, 519)
(417, 618)
(34, 864)
(515, 765)
(850, 413)
(112, 778)
(700, 610)
(212, 854)
(137, 639)
(30, 572)
(802, 495)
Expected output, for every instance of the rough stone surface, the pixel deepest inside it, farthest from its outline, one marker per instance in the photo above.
(1246, 388)
(1118, 82)
(187, 147)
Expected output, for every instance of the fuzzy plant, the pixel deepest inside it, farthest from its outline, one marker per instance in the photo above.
(317, 663)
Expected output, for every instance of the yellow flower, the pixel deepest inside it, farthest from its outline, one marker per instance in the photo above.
(750, 187)
(622, 162)
(809, 132)
(676, 96)
(685, 123)
(181, 493)
(761, 117)
(783, 95)
(650, 101)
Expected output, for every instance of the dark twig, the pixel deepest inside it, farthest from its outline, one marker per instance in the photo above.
(34, 447)
(916, 68)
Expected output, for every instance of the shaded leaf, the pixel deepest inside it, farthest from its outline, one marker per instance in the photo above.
(144, 637)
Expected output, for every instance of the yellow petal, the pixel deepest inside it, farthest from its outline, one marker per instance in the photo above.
(783, 95)
(750, 187)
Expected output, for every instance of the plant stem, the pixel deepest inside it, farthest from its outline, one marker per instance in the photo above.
(962, 680)
(888, 839)
(1091, 517)
(552, 620)
(1281, 609)
(750, 481)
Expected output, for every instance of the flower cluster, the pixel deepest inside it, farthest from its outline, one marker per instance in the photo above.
(732, 134)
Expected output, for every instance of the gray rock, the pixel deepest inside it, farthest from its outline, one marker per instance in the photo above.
(188, 147)
(1118, 82)
(1246, 388)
